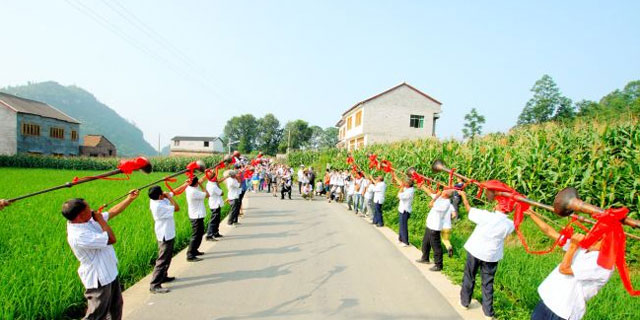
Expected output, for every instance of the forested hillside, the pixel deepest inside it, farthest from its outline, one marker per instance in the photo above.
(96, 117)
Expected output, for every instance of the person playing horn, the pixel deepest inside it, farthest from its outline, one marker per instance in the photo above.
(91, 240)
(405, 197)
(485, 246)
(162, 206)
(195, 194)
(438, 218)
(566, 290)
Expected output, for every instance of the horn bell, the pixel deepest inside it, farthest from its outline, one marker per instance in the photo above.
(201, 166)
(562, 202)
(437, 166)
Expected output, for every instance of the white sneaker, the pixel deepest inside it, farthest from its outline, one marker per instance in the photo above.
(404, 245)
(462, 306)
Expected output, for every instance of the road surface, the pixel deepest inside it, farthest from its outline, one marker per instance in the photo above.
(294, 259)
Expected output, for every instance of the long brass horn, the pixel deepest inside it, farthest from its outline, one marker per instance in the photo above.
(567, 201)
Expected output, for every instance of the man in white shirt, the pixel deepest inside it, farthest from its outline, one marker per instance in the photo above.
(91, 240)
(357, 193)
(441, 207)
(350, 190)
(405, 203)
(378, 199)
(233, 195)
(195, 203)
(367, 194)
(565, 292)
(485, 247)
(215, 205)
(162, 206)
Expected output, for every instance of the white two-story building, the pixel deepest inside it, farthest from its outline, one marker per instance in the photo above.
(400, 113)
(195, 146)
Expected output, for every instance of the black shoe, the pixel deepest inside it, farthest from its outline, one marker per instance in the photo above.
(423, 261)
(168, 279)
(210, 239)
(450, 252)
(199, 253)
(435, 268)
(217, 236)
(159, 290)
(194, 259)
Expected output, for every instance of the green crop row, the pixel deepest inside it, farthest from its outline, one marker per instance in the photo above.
(160, 164)
(601, 160)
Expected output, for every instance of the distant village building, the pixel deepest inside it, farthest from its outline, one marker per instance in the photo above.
(94, 145)
(400, 113)
(33, 127)
(195, 146)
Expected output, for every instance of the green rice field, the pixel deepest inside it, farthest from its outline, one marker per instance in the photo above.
(38, 272)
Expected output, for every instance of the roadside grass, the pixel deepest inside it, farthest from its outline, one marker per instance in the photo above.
(38, 272)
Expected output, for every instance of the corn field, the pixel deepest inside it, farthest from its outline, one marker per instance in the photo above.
(601, 160)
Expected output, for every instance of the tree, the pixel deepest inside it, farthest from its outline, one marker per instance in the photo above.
(473, 124)
(317, 134)
(566, 110)
(298, 132)
(587, 107)
(545, 103)
(269, 134)
(329, 138)
(244, 130)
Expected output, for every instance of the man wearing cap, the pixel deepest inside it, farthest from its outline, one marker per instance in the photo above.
(485, 246)
(233, 195)
(91, 240)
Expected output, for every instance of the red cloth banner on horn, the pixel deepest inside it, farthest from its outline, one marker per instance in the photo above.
(608, 228)
(373, 162)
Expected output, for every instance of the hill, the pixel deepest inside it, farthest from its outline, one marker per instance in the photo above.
(96, 117)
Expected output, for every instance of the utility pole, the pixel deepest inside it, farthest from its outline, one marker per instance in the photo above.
(289, 142)
(158, 144)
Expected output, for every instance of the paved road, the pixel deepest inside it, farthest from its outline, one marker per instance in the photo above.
(297, 259)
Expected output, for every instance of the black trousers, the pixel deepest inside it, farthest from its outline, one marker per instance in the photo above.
(197, 231)
(542, 312)
(284, 190)
(165, 252)
(299, 187)
(487, 274)
(431, 240)
(104, 302)
(403, 228)
(234, 212)
(377, 215)
(214, 224)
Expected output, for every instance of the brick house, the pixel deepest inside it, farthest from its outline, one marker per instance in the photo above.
(94, 145)
(400, 113)
(33, 127)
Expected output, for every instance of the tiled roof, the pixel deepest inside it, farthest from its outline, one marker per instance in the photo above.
(184, 138)
(389, 90)
(29, 106)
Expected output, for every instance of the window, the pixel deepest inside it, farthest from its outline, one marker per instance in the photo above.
(359, 118)
(416, 121)
(352, 144)
(176, 143)
(74, 135)
(57, 133)
(206, 143)
(110, 152)
(360, 143)
(349, 123)
(29, 129)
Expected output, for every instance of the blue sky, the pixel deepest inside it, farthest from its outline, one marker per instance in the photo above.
(191, 65)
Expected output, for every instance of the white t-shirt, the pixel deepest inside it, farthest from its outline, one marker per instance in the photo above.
(233, 188)
(215, 195)
(369, 191)
(164, 224)
(351, 187)
(91, 247)
(487, 239)
(441, 209)
(567, 295)
(378, 192)
(195, 202)
(406, 200)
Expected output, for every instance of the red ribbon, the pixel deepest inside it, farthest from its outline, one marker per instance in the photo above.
(129, 166)
(386, 166)
(166, 183)
(417, 178)
(191, 167)
(608, 228)
(373, 162)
